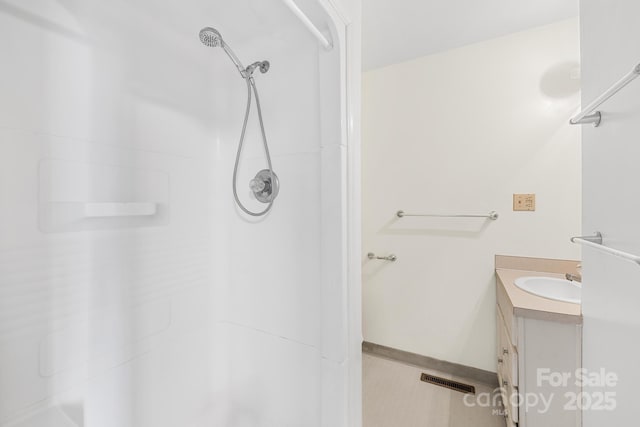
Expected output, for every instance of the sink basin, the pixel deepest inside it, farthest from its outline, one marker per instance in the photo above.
(552, 288)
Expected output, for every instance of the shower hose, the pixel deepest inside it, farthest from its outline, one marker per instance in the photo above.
(251, 86)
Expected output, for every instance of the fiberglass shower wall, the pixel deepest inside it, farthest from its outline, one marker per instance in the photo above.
(132, 291)
(280, 301)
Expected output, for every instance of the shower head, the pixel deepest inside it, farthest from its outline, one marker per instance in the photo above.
(210, 37)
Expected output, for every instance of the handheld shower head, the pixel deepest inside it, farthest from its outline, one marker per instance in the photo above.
(265, 185)
(210, 37)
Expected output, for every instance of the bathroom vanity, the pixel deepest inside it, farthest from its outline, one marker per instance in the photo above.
(539, 346)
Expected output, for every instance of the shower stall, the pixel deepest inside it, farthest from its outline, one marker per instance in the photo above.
(135, 289)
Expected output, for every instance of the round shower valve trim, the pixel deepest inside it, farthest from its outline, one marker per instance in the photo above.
(265, 186)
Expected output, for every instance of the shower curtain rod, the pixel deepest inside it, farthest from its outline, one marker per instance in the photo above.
(589, 114)
(307, 22)
(595, 242)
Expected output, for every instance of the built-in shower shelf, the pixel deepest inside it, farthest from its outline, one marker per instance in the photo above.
(85, 196)
(106, 210)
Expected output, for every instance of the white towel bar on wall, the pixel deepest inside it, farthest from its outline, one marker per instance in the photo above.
(595, 242)
(491, 215)
(589, 113)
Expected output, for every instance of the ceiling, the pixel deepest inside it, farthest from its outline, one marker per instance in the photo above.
(399, 30)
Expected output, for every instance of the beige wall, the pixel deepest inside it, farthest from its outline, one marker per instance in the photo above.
(460, 132)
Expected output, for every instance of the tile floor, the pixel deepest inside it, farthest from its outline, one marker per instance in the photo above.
(394, 396)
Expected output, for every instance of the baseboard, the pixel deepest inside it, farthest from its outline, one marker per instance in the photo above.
(461, 371)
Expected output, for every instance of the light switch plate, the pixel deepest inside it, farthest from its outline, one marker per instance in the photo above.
(524, 202)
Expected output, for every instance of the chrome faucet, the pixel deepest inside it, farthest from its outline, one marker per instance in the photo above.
(573, 277)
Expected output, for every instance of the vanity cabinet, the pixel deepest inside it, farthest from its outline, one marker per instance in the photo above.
(538, 354)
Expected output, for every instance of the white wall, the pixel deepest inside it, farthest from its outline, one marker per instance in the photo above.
(282, 310)
(460, 132)
(103, 319)
(350, 12)
(198, 315)
(610, 46)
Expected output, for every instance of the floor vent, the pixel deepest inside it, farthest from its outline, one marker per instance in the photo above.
(453, 385)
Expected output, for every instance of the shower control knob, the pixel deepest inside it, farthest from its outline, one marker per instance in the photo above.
(257, 185)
